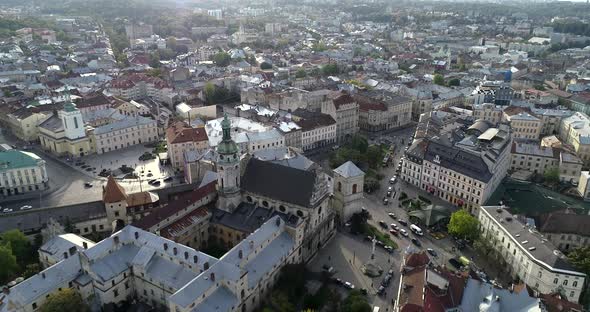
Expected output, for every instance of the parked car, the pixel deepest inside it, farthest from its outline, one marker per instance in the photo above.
(5, 210)
(385, 201)
(389, 193)
(402, 222)
(394, 179)
(392, 215)
(88, 184)
(349, 285)
(388, 248)
(381, 290)
(337, 281)
(26, 207)
(385, 282)
(432, 252)
(416, 242)
(393, 232)
(394, 226)
(404, 232)
(390, 189)
(383, 224)
(328, 269)
(454, 262)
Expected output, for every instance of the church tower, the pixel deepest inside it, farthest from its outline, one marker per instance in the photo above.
(71, 117)
(114, 198)
(228, 170)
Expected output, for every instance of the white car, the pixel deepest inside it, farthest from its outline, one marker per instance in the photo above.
(389, 189)
(349, 285)
(7, 210)
(394, 226)
(404, 232)
(26, 207)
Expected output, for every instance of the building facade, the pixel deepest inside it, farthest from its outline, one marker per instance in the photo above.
(21, 172)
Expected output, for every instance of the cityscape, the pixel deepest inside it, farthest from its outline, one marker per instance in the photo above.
(287, 156)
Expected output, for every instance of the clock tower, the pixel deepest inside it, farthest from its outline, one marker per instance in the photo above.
(228, 170)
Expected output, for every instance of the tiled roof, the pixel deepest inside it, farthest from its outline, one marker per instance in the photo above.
(174, 206)
(179, 225)
(113, 192)
(179, 132)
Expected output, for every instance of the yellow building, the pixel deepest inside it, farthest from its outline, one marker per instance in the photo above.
(575, 131)
(63, 134)
(23, 124)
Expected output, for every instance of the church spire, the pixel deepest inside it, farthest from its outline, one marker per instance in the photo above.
(226, 128)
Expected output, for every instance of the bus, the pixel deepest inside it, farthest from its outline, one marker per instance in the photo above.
(416, 230)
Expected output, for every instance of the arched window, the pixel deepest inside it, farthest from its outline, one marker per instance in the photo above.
(243, 294)
(299, 213)
(354, 189)
(282, 208)
(264, 203)
(339, 187)
(249, 199)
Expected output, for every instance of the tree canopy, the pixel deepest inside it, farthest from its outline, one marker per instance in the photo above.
(580, 258)
(222, 59)
(265, 66)
(439, 80)
(551, 175)
(8, 266)
(65, 300)
(19, 244)
(356, 302)
(463, 225)
(330, 69)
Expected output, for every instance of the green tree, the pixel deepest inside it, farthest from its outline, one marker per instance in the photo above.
(330, 69)
(580, 258)
(356, 302)
(439, 80)
(154, 60)
(374, 156)
(209, 92)
(171, 43)
(300, 73)
(222, 59)
(65, 300)
(463, 225)
(280, 301)
(265, 66)
(551, 175)
(454, 82)
(155, 72)
(19, 244)
(8, 266)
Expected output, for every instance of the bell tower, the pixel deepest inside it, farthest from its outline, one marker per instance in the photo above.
(228, 170)
(71, 117)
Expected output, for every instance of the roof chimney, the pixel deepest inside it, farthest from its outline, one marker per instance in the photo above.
(85, 245)
(43, 275)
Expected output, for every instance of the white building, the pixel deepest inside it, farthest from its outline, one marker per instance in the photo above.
(21, 172)
(527, 255)
(123, 133)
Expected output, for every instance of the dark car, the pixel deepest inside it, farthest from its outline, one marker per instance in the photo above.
(383, 224)
(454, 262)
(432, 252)
(416, 242)
(385, 282)
(381, 290)
(87, 184)
(402, 222)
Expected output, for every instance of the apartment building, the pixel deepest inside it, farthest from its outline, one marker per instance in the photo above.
(139, 86)
(531, 156)
(565, 229)
(317, 129)
(527, 255)
(489, 112)
(551, 119)
(181, 139)
(575, 131)
(524, 124)
(378, 113)
(345, 110)
(128, 131)
(464, 171)
(21, 172)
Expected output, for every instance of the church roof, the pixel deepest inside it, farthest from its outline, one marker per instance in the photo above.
(348, 170)
(279, 182)
(113, 192)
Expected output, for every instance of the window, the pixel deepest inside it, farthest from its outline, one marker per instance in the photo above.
(354, 189)
(34, 305)
(575, 284)
(565, 283)
(555, 281)
(572, 293)
(115, 293)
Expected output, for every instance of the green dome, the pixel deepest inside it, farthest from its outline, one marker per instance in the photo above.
(70, 107)
(227, 145)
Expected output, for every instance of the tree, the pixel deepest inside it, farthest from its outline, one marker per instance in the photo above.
(8, 266)
(463, 225)
(300, 73)
(374, 156)
(171, 43)
(454, 82)
(580, 258)
(65, 300)
(265, 66)
(280, 301)
(209, 92)
(439, 80)
(356, 302)
(330, 69)
(19, 244)
(154, 60)
(551, 175)
(222, 59)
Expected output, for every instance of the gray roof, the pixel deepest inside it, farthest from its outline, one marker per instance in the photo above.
(221, 300)
(480, 296)
(458, 160)
(52, 124)
(285, 156)
(279, 182)
(57, 245)
(544, 254)
(124, 124)
(349, 170)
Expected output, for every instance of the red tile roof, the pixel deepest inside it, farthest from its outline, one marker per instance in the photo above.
(341, 98)
(188, 220)
(175, 206)
(113, 192)
(130, 80)
(179, 132)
